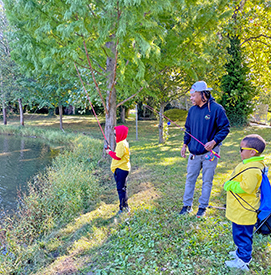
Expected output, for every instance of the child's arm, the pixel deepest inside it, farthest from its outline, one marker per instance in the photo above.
(234, 186)
(113, 155)
(247, 182)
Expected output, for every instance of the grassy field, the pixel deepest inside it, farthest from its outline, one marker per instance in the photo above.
(153, 239)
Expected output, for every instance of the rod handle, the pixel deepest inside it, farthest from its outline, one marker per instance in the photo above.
(218, 156)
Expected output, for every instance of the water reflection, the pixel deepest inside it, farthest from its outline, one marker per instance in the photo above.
(20, 159)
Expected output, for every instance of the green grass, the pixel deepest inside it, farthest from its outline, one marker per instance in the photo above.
(153, 239)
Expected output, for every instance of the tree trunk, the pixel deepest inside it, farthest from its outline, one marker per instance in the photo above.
(122, 114)
(4, 113)
(127, 112)
(60, 117)
(111, 98)
(21, 112)
(3, 104)
(161, 123)
(51, 112)
(186, 103)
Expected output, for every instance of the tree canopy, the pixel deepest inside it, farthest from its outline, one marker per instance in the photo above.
(117, 41)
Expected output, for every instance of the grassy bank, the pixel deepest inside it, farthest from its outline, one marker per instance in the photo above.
(153, 239)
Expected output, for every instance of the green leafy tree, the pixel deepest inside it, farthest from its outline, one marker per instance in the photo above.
(111, 39)
(256, 46)
(12, 90)
(238, 91)
(189, 52)
(4, 64)
(253, 20)
(249, 51)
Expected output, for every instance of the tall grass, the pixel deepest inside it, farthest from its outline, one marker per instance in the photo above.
(67, 189)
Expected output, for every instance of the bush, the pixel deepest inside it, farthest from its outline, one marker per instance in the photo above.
(176, 114)
(238, 90)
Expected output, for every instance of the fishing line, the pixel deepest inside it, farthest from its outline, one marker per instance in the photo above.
(91, 105)
(150, 108)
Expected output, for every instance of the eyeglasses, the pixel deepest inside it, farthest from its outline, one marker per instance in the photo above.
(244, 148)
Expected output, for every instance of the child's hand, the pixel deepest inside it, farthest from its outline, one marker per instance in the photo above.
(107, 151)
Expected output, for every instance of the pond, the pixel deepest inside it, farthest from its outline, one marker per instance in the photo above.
(20, 159)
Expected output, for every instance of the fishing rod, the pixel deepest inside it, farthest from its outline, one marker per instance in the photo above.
(92, 107)
(217, 207)
(150, 108)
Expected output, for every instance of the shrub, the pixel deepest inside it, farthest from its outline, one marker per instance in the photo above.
(238, 90)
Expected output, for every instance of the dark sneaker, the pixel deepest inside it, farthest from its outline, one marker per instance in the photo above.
(119, 212)
(186, 210)
(201, 212)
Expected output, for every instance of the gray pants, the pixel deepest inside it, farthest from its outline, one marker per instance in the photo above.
(195, 164)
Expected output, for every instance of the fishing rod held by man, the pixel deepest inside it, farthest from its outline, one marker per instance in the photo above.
(182, 129)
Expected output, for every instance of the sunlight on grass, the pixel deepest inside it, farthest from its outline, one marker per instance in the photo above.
(5, 154)
(98, 236)
(104, 211)
(63, 265)
(144, 199)
(170, 161)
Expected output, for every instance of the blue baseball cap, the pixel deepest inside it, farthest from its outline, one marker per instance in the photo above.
(199, 86)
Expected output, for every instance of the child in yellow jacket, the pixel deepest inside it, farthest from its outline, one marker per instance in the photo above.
(120, 165)
(243, 198)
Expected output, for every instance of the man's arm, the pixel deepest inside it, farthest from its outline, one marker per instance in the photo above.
(183, 151)
(223, 126)
(210, 145)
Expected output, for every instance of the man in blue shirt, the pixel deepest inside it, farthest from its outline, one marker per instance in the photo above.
(206, 121)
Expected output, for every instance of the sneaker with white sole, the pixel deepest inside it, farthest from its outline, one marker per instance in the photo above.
(185, 210)
(233, 254)
(201, 212)
(237, 263)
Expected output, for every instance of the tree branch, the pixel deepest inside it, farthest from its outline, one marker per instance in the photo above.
(121, 103)
(104, 51)
(87, 67)
(94, 79)
(91, 11)
(114, 76)
(256, 37)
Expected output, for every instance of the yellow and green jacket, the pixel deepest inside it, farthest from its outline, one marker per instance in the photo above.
(246, 185)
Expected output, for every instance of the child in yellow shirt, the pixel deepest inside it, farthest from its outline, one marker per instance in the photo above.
(120, 165)
(244, 187)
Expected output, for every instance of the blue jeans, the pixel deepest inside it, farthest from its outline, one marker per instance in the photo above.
(121, 181)
(242, 237)
(195, 164)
